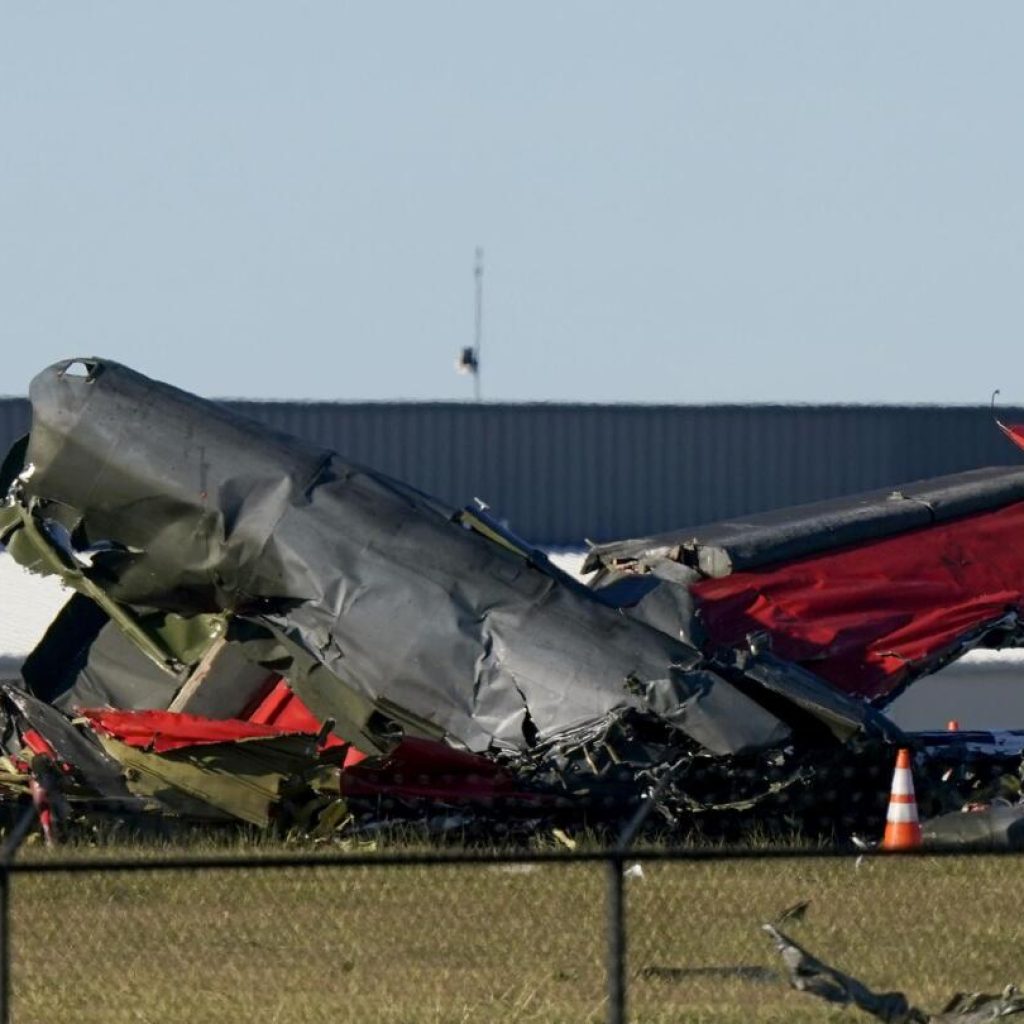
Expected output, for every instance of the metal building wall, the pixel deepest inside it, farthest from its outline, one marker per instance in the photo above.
(559, 473)
(15, 417)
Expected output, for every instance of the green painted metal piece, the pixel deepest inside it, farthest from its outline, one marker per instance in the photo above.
(173, 642)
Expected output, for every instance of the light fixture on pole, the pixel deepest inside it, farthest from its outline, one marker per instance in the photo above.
(469, 357)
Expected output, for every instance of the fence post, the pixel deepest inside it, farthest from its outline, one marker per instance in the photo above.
(7, 853)
(5, 944)
(616, 941)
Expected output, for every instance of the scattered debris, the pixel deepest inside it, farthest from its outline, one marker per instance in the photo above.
(809, 974)
(796, 912)
(564, 839)
(991, 826)
(262, 632)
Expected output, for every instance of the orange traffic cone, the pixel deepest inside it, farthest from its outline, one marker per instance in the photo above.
(902, 829)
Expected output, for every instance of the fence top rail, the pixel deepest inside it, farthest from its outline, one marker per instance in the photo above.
(250, 862)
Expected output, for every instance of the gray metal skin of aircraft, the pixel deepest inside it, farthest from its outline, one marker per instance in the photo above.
(384, 611)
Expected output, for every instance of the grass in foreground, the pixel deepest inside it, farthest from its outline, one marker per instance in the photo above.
(524, 943)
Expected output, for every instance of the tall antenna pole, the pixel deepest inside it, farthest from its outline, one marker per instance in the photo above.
(469, 356)
(478, 275)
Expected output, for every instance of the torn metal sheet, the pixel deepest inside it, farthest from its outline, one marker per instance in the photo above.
(842, 715)
(873, 618)
(241, 780)
(227, 571)
(869, 593)
(86, 660)
(809, 974)
(60, 740)
(385, 611)
(720, 720)
(998, 826)
(210, 768)
(738, 545)
(164, 731)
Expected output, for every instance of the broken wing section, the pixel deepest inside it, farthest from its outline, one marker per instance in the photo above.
(873, 618)
(868, 593)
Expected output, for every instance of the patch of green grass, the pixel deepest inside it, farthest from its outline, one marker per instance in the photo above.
(511, 942)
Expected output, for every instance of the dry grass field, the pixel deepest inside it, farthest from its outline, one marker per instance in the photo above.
(485, 943)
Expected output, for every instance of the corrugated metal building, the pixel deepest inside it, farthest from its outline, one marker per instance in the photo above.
(560, 473)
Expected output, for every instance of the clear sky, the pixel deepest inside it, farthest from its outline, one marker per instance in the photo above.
(682, 202)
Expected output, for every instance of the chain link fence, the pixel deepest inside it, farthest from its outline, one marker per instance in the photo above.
(660, 936)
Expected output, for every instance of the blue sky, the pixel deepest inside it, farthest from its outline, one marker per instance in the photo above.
(678, 202)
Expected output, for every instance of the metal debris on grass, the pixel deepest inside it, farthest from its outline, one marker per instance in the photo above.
(262, 632)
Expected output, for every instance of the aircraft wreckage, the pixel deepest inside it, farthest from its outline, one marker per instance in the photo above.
(263, 632)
